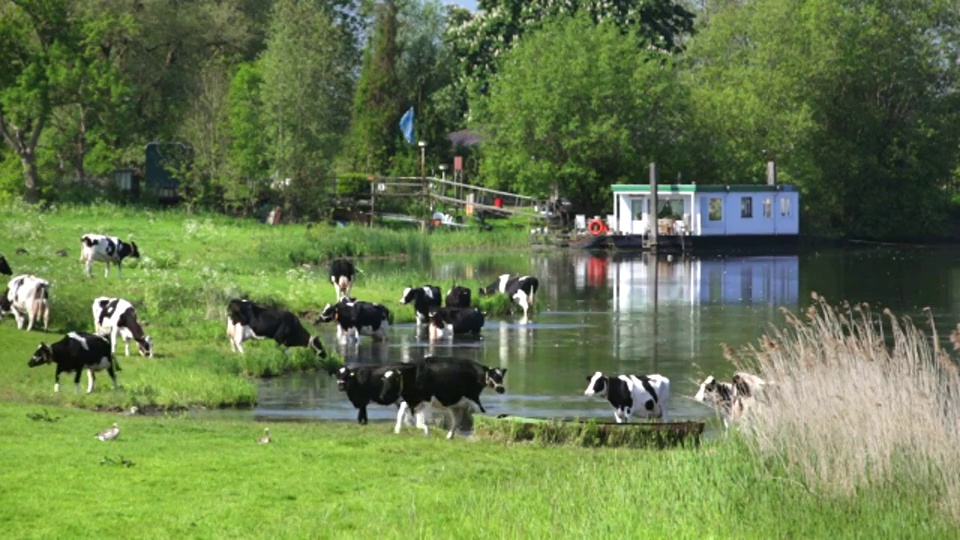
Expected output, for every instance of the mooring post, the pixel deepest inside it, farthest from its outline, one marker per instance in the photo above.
(654, 229)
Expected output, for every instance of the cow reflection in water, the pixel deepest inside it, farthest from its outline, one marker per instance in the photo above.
(369, 352)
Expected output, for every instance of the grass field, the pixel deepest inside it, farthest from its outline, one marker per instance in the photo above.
(840, 469)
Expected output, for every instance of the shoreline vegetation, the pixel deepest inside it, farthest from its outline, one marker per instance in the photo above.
(874, 457)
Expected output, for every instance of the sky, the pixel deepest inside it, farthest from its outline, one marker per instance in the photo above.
(469, 4)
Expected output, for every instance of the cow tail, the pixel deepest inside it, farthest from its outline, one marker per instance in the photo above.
(41, 300)
(343, 282)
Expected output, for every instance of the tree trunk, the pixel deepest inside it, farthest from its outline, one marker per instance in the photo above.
(31, 178)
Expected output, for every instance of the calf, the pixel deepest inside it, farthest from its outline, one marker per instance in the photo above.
(441, 382)
(458, 296)
(5, 267)
(448, 322)
(342, 273)
(246, 319)
(521, 290)
(356, 318)
(109, 249)
(363, 385)
(117, 316)
(628, 393)
(74, 353)
(424, 299)
(29, 296)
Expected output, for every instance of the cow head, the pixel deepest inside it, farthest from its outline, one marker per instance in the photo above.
(43, 355)
(317, 346)
(596, 385)
(343, 374)
(146, 346)
(494, 378)
(134, 252)
(409, 295)
(714, 392)
(329, 313)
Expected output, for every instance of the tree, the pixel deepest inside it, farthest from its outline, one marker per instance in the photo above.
(247, 155)
(306, 92)
(576, 107)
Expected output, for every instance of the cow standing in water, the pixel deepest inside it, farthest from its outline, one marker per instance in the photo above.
(522, 290)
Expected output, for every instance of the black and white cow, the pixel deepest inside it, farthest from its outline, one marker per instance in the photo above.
(730, 399)
(109, 249)
(364, 385)
(458, 296)
(27, 296)
(440, 382)
(117, 316)
(646, 395)
(424, 299)
(522, 290)
(448, 322)
(342, 274)
(74, 353)
(5, 267)
(357, 318)
(246, 319)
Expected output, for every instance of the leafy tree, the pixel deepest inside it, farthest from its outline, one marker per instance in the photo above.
(576, 107)
(247, 155)
(306, 92)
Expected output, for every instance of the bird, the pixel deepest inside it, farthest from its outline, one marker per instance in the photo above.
(109, 434)
(266, 437)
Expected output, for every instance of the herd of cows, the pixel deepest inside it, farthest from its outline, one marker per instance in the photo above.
(446, 384)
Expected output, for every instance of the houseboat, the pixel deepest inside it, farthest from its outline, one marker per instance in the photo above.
(697, 217)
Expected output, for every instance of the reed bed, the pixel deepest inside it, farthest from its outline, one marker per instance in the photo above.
(859, 400)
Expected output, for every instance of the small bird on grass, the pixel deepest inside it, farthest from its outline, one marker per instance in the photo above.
(266, 437)
(109, 434)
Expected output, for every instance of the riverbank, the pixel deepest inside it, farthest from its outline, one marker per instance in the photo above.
(181, 476)
(190, 267)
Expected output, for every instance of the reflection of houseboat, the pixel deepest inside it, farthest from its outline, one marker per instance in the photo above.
(766, 280)
(698, 217)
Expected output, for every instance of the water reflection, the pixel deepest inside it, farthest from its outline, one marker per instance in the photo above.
(616, 314)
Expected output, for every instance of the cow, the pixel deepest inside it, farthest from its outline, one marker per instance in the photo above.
(5, 267)
(247, 319)
(424, 299)
(448, 322)
(117, 316)
(442, 382)
(357, 318)
(649, 394)
(74, 353)
(27, 295)
(522, 290)
(342, 273)
(363, 385)
(458, 296)
(730, 399)
(109, 249)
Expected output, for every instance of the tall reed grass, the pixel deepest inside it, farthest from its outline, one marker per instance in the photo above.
(859, 400)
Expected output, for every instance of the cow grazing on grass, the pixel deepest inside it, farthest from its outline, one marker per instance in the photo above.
(108, 249)
(357, 318)
(27, 296)
(440, 382)
(342, 274)
(5, 266)
(424, 299)
(458, 297)
(74, 353)
(730, 399)
(117, 316)
(646, 395)
(364, 385)
(522, 290)
(246, 319)
(448, 322)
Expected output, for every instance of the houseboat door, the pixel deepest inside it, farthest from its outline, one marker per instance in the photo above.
(638, 211)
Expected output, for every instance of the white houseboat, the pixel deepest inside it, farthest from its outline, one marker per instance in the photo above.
(690, 216)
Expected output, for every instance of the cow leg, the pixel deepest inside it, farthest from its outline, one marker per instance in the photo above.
(126, 346)
(106, 272)
(113, 338)
(423, 419)
(113, 377)
(454, 422)
(56, 380)
(89, 267)
(91, 380)
(362, 415)
(30, 316)
(46, 316)
(76, 380)
(17, 316)
(401, 412)
(617, 417)
(119, 269)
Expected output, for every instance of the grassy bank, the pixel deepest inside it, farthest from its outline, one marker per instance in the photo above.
(191, 266)
(196, 478)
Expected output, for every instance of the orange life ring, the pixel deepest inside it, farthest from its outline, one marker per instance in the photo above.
(596, 227)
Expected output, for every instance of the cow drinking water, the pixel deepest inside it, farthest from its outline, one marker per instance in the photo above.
(424, 299)
(357, 318)
(522, 290)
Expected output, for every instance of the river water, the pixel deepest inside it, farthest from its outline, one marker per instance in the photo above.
(630, 314)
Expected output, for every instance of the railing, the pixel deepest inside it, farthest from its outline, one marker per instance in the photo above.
(460, 194)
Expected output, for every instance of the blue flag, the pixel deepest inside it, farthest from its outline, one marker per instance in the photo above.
(406, 125)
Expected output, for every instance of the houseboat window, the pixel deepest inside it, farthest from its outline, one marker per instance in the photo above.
(636, 208)
(671, 208)
(746, 207)
(767, 207)
(716, 209)
(784, 206)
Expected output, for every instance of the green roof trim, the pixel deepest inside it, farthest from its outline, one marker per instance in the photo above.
(694, 188)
